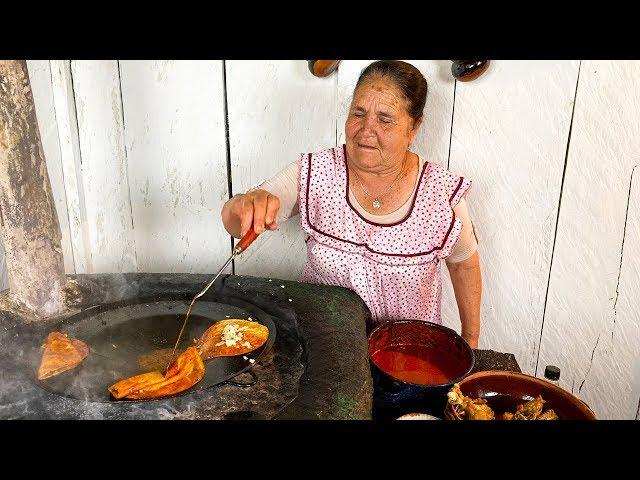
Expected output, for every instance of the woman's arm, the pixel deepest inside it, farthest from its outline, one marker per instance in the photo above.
(467, 285)
(272, 202)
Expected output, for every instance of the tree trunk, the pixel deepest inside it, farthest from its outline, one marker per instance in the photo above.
(30, 228)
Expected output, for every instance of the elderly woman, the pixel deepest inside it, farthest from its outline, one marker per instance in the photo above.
(379, 217)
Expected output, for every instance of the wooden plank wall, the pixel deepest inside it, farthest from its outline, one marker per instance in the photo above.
(591, 328)
(176, 154)
(277, 110)
(510, 132)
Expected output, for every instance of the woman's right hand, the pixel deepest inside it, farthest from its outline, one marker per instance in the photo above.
(257, 207)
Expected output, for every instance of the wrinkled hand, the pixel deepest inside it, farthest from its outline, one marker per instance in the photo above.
(258, 208)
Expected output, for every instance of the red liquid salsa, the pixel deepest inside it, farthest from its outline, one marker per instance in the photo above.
(417, 364)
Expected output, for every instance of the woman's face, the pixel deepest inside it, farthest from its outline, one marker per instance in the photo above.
(378, 129)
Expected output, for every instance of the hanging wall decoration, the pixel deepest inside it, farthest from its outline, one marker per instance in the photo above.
(467, 70)
(323, 68)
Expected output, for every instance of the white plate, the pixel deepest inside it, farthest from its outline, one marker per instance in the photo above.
(418, 416)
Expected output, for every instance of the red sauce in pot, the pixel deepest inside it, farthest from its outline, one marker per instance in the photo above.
(417, 364)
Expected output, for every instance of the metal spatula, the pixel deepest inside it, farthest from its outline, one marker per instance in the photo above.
(241, 246)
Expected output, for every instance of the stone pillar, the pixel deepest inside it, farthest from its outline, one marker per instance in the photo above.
(28, 218)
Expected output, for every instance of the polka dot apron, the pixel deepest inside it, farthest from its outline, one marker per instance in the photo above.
(394, 268)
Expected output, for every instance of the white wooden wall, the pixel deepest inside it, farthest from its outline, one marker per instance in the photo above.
(592, 327)
(277, 110)
(137, 156)
(509, 136)
(175, 142)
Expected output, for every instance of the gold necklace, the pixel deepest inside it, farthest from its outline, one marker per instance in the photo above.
(377, 201)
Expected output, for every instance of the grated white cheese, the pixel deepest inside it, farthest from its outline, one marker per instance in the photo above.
(231, 335)
(251, 360)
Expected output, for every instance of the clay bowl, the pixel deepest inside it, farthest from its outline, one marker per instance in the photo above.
(503, 391)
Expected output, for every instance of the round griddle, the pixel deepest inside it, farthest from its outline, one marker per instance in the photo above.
(121, 336)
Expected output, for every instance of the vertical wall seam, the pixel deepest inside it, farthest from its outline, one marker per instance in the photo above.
(453, 109)
(126, 168)
(555, 235)
(228, 147)
(80, 181)
(64, 182)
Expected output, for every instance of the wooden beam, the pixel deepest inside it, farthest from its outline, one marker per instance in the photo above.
(30, 227)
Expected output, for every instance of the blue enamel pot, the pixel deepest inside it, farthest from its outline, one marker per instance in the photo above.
(414, 363)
